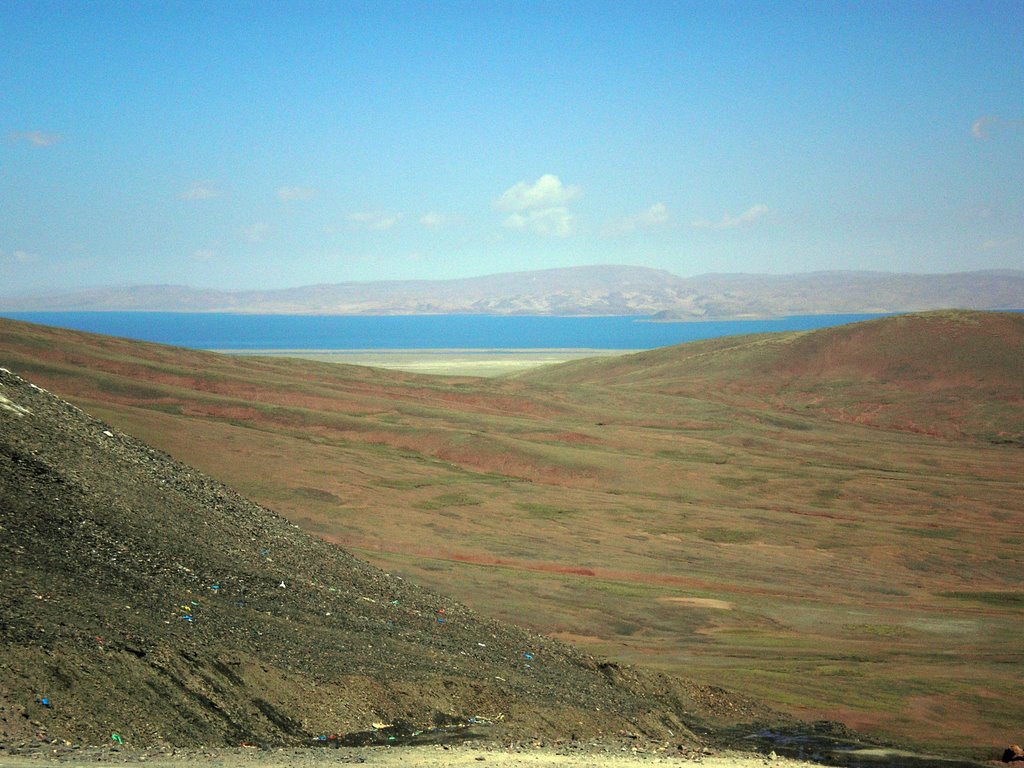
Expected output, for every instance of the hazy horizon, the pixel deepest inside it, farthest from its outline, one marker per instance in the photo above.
(246, 146)
(284, 287)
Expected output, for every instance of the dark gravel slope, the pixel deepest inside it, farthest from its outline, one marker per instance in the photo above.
(144, 599)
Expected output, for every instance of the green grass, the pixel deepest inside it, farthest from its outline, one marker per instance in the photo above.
(932, 533)
(543, 511)
(446, 500)
(728, 535)
(996, 599)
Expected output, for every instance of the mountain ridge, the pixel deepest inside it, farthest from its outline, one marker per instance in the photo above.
(571, 291)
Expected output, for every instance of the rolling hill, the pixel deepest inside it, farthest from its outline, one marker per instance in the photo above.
(594, 290)
(827, 521)
(947, 373)
(145, 599)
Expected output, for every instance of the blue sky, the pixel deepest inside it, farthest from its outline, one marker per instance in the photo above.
(258, 145)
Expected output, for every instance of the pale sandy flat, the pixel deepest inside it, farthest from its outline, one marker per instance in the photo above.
(443, 362)
(698, 602)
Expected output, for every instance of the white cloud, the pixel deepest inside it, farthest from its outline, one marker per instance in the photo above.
(200, 190)
(18, 257)
(999, 245)
(256, 232)
(547, 192)
(35, 138)
(545, 221)
(433, 220)
(286, 194)
(541, 207)
(654, 216)
(728, 221)
(374, 220)
(204, 254)
(981, 127)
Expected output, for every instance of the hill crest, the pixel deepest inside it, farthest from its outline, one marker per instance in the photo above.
(950, 373)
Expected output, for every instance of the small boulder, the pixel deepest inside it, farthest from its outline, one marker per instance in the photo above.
(1013, 754)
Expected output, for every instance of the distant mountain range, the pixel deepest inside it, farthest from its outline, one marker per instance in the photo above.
(594, 290)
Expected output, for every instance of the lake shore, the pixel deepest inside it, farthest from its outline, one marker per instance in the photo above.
(441, 362)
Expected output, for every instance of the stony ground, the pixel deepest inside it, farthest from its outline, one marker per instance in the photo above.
(146, 604)
(422, 757)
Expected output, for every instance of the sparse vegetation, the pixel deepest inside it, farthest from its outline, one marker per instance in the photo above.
(542, 511)
(998, 599)
(446, 500)
(863, 529)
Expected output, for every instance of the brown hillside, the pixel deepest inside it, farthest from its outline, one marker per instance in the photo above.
(950, 374)
(145, 599)
(682, 517)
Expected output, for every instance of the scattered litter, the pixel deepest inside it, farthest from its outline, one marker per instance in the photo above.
(528, 656)
(264, 552)
(482, 645)
(44, 701)
(108, 433)
(8, 405)
(281, 585)
(368, 599)
(394, 602)
(440, 619)
(215, 587)
(116, 737)
(187, 617)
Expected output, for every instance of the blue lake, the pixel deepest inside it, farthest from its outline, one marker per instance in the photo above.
(319, 332)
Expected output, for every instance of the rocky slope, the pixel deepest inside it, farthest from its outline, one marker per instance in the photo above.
(146, 600)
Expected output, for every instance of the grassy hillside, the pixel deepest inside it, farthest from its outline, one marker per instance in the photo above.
(773, 513)
(145, 599)
(951, 373)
